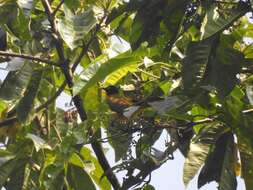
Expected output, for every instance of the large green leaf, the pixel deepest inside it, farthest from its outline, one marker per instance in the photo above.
(222, 70)
(111, 66)
(220, 164)
(73, 28)
(199, 149)
(195, 159)
(15, 82)
(25, 105)
(79, 179)
(194, 64)
(17, 176)
(150, 17)
(214, 22)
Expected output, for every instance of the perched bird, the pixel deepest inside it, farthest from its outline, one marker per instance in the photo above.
(117, 103)
(125, 106)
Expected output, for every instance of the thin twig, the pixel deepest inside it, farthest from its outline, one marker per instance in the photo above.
(29, 57)
(52, 99)
(58, 7)
(247, 111)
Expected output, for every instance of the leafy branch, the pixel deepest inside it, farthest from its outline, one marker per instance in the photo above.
(77, 99)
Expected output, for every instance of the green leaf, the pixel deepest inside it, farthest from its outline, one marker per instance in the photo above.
(25, 105)
(195, 158)
(113, 78)
(8, 11)
(120, 140)
(111, 66)
(79, 179)
(214, 22)
(76, 160)
(195, 63)
(73, 28)
(220, 164)
(15, 82)
(19, 26)
(38, 142)
(17, 176)
(199, 149)
(96, 172)
(222, 70)
(148, 187)
(6, 170)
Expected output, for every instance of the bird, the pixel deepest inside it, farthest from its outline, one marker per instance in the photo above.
(125, 106)
(117, 103)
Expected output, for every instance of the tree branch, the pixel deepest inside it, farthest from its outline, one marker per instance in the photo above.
(52, 99)
(8, 121)
(58, 7)
(29, 57)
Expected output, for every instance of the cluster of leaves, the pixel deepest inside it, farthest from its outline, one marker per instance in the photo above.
(189, 63)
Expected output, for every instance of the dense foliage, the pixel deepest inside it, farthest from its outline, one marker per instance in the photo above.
(186, 65)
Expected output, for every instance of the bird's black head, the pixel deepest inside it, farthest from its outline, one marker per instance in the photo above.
(111, 90)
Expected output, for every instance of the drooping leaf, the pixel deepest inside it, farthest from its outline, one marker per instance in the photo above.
(214, 22)
(199, 149)
(195, 158)
(245, 145)
(73, 28)
(15, 83)
(19, 27)
(25, 105)
(222, 70)
(220, 163)
(96, 172)
(17, 176)
(194, 64)
(120, 139)
(38, 142)
(79, 179)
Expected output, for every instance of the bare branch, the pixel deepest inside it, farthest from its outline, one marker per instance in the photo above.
(29, 57)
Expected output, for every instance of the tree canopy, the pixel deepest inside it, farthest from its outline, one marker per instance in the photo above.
(184, 66)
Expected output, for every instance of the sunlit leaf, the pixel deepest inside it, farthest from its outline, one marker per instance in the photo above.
(73, 28)
(79, 179)
(96, 172)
